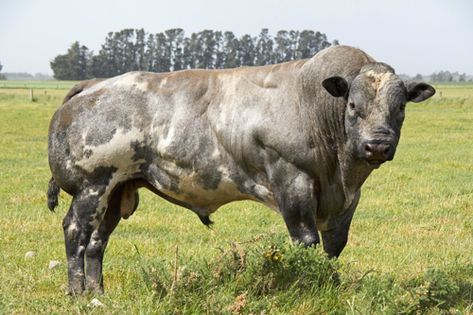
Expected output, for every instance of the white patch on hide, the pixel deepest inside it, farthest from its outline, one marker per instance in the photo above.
(380, 78)
(117, 152)
(164, 143)
(81, 249)
(92, 192)
(163, 82)
(72, 229)
(215, 154)
(68, 164)
(130, 80)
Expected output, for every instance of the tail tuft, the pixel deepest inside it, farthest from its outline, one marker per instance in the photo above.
(205, 219)
(53, 193)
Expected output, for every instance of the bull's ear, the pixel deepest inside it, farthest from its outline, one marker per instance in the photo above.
(336, 86)
(418, 92)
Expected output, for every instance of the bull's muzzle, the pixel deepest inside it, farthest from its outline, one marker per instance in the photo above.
(377, 152)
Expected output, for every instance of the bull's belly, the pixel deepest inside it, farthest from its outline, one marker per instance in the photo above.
(204, 191)
(205, 200)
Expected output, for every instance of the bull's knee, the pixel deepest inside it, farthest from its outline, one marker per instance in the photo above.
(94, 248)
(70, 227)
(303, 232)
(306, 238)
(72, 236)
(302, 228)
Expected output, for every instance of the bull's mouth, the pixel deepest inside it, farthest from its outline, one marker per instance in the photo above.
(375, 163)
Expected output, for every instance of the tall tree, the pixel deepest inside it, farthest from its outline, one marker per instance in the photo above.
(208, 44)
(106, 64)
(192, 48)
(231, 47)
(219, 50)
(293, 43)
(307, 45)
(74, 65)
(162, 54)
(264, 48)
(98, 66)
(174, 47)
(321, 40)
(125, 50)
(61, 68)
(283, 46)
(150, 51)
(247, 50)
(140, 49)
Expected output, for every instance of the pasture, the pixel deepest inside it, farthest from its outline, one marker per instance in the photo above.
(410, 248)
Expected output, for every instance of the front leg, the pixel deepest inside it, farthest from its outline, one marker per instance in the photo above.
(294, 192)
(300, 223)
(336, 238)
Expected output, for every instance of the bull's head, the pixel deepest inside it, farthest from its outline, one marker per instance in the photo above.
(375, 102)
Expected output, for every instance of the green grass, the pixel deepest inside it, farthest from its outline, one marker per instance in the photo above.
(410, 248)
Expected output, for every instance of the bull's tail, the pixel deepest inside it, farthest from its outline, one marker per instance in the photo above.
(53, 193)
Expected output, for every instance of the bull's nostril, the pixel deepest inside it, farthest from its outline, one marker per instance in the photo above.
(377, 151)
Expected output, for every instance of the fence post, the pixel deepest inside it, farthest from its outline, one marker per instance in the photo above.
(31, 94)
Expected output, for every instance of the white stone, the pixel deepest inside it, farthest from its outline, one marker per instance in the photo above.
(30, 254)
(95, 303)
(53, 264)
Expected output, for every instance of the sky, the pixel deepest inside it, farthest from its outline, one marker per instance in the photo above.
(413, 36)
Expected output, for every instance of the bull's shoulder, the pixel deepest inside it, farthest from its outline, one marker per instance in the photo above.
(79, 87)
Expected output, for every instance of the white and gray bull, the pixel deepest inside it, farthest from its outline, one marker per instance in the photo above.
(300, 137)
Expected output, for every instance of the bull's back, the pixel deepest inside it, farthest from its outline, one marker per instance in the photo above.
(183, 128)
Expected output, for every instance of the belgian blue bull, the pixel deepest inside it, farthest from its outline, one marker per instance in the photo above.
(300, 137)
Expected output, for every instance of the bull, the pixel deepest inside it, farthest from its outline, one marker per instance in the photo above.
(300, 137)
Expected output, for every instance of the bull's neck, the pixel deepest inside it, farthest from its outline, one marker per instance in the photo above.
(323, 116)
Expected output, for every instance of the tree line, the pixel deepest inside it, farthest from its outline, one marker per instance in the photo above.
(441, 77)
(447, 76)
(171, 50)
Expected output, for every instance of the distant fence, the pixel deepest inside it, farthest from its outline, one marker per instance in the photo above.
(49, 84)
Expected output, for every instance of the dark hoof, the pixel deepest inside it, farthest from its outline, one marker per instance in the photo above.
(95, 290)
(74, 291)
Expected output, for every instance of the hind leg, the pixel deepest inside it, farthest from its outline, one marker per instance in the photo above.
(98, 242)
(81, 220)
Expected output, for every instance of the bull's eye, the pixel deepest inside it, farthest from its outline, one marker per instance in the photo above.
(351, 105)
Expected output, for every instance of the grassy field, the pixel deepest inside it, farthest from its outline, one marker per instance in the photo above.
(410, 249)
